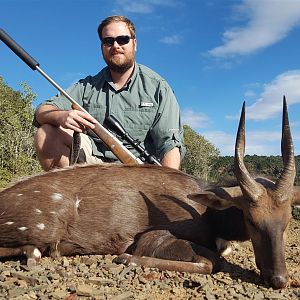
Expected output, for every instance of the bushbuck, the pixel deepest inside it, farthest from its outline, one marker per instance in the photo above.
(151, 215)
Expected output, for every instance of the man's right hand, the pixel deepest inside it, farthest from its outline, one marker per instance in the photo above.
(75, 120)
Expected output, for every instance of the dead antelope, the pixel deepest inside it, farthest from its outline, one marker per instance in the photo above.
(142, 213)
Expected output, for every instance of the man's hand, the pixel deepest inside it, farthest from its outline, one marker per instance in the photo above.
(73, 119)
(76, 120)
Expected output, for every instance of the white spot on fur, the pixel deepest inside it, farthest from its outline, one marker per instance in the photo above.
(53, 212)
(223, 247)
(23, 228)
(41, 226)
(38, 211)
(36, 191)
(9, 223)
(227, 251)
(77, 201)
(36, 253)
(18, 195)
(56, 196)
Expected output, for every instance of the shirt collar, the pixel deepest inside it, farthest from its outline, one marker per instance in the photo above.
(107, 77)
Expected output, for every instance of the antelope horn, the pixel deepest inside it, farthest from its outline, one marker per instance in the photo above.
(248, 185)
(284, 185)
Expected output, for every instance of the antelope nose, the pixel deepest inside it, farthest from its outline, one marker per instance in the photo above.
(279, 281)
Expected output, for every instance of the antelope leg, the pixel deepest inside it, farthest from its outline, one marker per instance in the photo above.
(32, 253)
(204, 266)
(163, 250)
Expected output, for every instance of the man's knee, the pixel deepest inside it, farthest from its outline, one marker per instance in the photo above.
(41, 136)
(48, 131)
(47, 135)
(52, 145)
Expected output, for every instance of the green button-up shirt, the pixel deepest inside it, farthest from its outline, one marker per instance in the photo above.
(145, 106)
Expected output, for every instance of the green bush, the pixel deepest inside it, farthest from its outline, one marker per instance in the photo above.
(201, 155)
(17, 155)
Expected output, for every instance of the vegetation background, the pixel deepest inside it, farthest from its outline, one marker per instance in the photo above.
(18, 158)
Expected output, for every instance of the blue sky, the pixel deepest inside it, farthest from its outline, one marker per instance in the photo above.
(215, 54)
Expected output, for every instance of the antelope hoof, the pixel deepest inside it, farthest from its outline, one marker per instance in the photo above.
(33, 255)
(31, 263)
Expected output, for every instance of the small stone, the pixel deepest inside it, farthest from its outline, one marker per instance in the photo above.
(22, 283)
(6, 273)
(87, 290)
(101, 281)
(59, 294)
(32, 295)
(65, 262)
(123, 296)
(114, 269)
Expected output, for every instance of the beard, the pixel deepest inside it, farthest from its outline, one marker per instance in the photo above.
(120, 64)
(120, 67)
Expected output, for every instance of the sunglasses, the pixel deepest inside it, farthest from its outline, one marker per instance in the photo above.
(121, 40)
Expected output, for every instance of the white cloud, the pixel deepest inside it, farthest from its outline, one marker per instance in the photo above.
(249, 94)
(223, 141)
(172, 39)
(263, 142)
(269, 104)
(193, 119)
(143, 6)
(269, 21)
(257, 142)
(136, 7)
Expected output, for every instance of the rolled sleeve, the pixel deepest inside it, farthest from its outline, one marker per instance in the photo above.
(61, 102)
(167, 130)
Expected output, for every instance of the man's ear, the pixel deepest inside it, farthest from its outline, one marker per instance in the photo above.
(211, 200)
(135, 45)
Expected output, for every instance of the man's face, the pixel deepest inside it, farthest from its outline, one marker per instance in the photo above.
(119, 58)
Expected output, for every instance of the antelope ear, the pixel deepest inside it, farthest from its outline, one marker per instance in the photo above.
(211, 200)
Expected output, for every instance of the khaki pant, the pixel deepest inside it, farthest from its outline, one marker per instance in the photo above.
(86, 154)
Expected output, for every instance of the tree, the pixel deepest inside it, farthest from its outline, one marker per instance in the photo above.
(17, 155)
(201, 155)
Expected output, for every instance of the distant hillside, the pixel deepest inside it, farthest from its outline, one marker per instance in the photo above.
(267, 166)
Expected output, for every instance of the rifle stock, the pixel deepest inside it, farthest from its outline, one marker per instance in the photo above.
(116, 146)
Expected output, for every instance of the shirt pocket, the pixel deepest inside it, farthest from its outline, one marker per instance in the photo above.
(96, 110)
(138, 121)
(139, 118)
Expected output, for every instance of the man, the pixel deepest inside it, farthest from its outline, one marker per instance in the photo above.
(139, 98)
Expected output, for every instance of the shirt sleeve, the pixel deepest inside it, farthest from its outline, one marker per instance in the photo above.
(61, 102)
(167, 130)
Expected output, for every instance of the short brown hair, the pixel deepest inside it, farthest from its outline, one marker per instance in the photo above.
(113, 19)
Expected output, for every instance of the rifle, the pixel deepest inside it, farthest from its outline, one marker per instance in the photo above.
(112, 142)
(112, 123)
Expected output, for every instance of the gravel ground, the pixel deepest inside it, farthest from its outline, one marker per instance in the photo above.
(97, 277)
